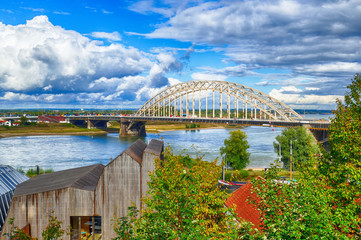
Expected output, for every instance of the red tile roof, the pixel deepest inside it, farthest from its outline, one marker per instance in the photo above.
(242, 207)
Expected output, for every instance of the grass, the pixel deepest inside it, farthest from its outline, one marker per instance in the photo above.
(32, 172)
(44, 128)
(249, 174)
(155, 127)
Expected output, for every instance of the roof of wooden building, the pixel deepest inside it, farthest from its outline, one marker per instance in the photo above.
(239, 201)
(85, 178)
(136, 150)
(155, 147)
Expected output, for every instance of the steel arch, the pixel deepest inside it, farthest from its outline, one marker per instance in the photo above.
(260, 103)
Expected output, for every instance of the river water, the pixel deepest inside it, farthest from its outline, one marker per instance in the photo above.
(63, 152)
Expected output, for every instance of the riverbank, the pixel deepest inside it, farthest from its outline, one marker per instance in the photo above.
(157, 127)
(68, 129)
(48, 129)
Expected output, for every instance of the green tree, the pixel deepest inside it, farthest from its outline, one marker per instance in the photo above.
(23, 120)
(325, 201)
(16, 232)
(303, 146)
(184, 203)
(53, 230)
(306, 209)
(235, 150)
(345, 134)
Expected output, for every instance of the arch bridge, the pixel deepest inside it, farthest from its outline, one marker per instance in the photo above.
(216, 99)
(207, 101)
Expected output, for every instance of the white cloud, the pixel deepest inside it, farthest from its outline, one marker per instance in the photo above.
(290, 89)
(313, 38)
(10, 96)
(61, 13)
(34, 9)
(38, 53)
(47, 88)
(304, 99)
(38, 58)
(114, 36)
(312, 89)
(208, 76)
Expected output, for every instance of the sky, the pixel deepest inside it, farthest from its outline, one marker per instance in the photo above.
(117, 54)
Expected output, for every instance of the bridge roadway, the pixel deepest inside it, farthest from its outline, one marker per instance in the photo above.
(312, 124)
(18, 118)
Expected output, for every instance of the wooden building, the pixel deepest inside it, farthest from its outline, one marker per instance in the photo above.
(86, 198)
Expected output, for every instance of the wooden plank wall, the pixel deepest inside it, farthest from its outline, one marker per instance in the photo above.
(118, 187)
(34, 209)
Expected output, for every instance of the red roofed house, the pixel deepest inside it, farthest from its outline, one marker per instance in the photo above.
(243, 207)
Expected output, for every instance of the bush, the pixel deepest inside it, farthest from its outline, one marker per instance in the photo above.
(238, 175)
(32, 171)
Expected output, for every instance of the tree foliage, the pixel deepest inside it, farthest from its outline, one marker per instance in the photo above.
(53, 230)
(235, 150)
(345, 134)
(306, 209)
(303, 146)
(23, 120)
(16, 232)
(184, 203)
(325, 201)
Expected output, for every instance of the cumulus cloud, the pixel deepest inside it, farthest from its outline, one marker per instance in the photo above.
(114, 36)
(39, 58)
(38, 53)
(234, 71)
(310, 38)
(208, 76)
(166, 8)
(298, 98)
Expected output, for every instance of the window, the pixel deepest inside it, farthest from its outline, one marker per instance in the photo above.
(86, 227)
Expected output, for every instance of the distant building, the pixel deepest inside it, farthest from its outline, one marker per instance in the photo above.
(86, 198)
(9, 179)
(5, 123)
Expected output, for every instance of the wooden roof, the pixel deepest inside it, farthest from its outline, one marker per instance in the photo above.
(136, 150)
(85, 178)
(155, 147)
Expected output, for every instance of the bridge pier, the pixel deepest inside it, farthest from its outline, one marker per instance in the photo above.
(322, 137)
(79, 123)
(99, 124)
(133, 128)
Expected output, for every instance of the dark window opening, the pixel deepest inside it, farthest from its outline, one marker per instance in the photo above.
(86, 227)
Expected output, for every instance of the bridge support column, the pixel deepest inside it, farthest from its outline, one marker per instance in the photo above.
(199, 105)
(213, 104)
(89, 124)
(99, 124)
(132, 128)
(321, 136)
(79, 123)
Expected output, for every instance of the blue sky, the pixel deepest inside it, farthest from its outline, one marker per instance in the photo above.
(117, 54)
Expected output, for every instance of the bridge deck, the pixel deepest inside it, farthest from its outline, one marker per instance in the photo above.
(248, 122)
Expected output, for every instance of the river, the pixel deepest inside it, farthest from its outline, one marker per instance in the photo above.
(63, 152)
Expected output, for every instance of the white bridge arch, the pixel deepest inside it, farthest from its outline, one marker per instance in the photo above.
(241, 102)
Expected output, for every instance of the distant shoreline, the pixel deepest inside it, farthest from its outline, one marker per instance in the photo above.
(23, 134)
